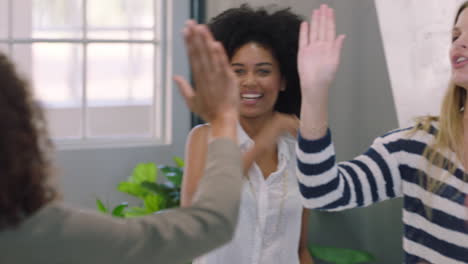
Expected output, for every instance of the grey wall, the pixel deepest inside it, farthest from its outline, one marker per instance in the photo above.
(361, 109)
(89, 173)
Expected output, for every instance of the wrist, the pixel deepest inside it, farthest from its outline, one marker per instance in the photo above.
(226, 117)
(225, 126)
(314, 123)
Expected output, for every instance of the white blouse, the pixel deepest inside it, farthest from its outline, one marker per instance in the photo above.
(269, 224)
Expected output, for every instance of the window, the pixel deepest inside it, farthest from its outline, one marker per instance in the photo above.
(97, 66)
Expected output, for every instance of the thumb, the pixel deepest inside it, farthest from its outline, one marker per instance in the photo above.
(186, 90)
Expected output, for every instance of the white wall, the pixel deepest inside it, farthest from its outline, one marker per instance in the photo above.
(416, 37)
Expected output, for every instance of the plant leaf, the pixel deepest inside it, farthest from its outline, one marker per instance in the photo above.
(136, 212)
(157, 189)
(154, 203)
(119, 210)
(144, 172)
(133, 189)
(340, 255)
(173, 174)
(153, 187)
(101, 207)
(179, 162)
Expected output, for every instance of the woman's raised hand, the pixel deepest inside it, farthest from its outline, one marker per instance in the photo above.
(318, 59)
(319, 51)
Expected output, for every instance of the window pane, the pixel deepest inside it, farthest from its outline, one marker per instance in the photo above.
(47, 18)
(4, 49)
(3, 19)
(56, 73)
(64, 123)
(121, 19)
(119, 121)
(120, 76)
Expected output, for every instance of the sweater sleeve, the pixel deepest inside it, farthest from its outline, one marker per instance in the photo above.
(59, 234)
(327, 185)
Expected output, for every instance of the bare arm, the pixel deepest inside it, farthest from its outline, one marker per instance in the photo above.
(268, 137)
(304, 254)
(195, 159)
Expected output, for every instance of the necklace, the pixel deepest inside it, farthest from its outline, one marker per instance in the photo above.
(284, 194)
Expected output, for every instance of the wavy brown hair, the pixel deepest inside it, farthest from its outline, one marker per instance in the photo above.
(25, 167)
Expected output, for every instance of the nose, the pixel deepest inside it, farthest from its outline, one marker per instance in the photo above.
(461, 45)
(461, 42)
(248, 80)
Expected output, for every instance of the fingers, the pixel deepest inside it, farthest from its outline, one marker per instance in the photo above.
(323, 22)
(314, 26)
(209, 48)
(189, 38)
(339, 46)
(186, 90)
(304, 34)
(220, 59)
(331, 25)
(322, 26)
(201, 52)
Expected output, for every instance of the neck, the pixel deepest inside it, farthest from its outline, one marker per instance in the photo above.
(253, 126)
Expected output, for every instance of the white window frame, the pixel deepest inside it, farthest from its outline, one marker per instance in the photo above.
(162, 100)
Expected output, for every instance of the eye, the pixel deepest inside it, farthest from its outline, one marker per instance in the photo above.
(454, 37)
(263, 72)
(239, 71)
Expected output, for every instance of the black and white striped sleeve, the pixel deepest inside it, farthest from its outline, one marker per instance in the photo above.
(331, 186)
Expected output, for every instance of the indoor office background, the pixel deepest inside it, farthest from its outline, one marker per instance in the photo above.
(362, 107)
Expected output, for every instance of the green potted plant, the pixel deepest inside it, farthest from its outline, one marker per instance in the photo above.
(143, 185)
(155, 197)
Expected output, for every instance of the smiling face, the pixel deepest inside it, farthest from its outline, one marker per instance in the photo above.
(459, 51)
(259, 78)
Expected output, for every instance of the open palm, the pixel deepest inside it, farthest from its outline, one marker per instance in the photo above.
(319, 51)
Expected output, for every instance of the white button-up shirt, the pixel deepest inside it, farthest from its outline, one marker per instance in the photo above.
(269, 226)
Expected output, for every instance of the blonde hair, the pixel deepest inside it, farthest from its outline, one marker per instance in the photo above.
(450, 135)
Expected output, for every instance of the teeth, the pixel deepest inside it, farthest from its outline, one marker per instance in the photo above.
(251, 96)
(461, 59)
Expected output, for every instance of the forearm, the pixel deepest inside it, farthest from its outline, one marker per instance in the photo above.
(225, 127)
(303, 242)
(304, 254)
(252, 154)
(314, 114)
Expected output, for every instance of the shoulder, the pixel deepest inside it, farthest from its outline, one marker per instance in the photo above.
(412, 139)
(200, 132)
(290, 142)
(423, 129)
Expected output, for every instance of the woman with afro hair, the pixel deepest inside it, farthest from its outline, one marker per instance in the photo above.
(262, 49)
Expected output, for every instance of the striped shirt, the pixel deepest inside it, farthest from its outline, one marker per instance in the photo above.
(435, 225)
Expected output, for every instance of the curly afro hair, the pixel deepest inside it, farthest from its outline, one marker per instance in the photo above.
(277, 31)
(25, 167)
